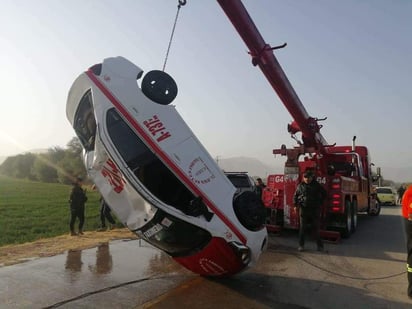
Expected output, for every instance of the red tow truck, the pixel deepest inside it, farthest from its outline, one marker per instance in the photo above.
(344, 171)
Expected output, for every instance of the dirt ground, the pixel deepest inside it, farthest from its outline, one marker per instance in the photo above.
(13, 254)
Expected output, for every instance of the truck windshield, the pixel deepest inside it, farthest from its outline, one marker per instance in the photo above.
(174, 236)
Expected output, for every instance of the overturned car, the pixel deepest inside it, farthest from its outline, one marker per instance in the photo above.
(157, 177)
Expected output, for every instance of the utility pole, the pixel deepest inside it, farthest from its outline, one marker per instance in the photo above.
(217, 160)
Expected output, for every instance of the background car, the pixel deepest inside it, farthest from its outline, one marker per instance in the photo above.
(386, 196)
(242, 181)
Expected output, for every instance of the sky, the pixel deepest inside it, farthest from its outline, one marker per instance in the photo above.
(349, 61)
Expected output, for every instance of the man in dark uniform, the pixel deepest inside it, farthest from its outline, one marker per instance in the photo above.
(259, 187)
(309, 197)
(105, 213)
(77, 200)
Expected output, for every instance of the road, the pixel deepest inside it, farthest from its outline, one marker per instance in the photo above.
(364, 271)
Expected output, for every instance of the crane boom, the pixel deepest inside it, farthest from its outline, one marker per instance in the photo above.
(344, 171)
(263, 56)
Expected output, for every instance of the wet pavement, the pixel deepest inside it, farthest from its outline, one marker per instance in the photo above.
(116, 275)
(364, 271)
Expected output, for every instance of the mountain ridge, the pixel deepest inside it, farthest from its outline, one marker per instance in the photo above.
(257, 168)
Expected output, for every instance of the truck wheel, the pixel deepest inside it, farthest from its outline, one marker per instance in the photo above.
(375, 211)
(354, 215)
(347, 230)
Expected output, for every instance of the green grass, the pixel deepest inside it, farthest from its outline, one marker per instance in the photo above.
(32, 210)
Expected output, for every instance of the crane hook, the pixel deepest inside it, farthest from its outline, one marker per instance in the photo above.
(181, 3)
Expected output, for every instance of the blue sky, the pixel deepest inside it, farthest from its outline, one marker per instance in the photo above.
(348, 60)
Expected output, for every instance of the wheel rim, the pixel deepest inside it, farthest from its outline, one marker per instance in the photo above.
(378, 208)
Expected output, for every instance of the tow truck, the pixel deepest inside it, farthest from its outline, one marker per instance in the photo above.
(344, 171)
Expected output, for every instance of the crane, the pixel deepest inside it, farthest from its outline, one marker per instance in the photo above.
(345, 171)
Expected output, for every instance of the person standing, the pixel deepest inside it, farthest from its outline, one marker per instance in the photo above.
(309, 197)
(259, 187)
(77, 202)
(401, 191)
(105, 213)
(407, 215)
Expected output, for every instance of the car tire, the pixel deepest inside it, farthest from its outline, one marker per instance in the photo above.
(159, 87)
(249, 210)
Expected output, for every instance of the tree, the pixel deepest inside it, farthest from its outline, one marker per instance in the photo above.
(57, 165)
(43, 169)
(71, 165)
(19, 166)
(75, 146)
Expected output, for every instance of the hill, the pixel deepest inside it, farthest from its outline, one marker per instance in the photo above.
(254, 167)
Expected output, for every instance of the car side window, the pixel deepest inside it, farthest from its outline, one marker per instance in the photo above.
(146, 166)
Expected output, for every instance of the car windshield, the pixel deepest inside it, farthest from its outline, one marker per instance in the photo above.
(176, 237)
(85, 123)
(384, 190)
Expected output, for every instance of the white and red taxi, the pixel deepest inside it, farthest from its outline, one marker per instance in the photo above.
(155, 174)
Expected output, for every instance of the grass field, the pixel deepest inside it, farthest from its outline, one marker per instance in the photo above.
(32, 210)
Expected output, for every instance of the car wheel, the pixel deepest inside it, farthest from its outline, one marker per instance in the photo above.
(159, 87)
(249, 210)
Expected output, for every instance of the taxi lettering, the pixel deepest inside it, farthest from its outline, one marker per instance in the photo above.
(156, 128)
(113, 176)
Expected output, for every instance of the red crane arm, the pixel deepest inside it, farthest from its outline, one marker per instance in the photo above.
(263, 56)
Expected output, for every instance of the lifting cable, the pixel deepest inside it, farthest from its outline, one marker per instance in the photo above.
(180, 4)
